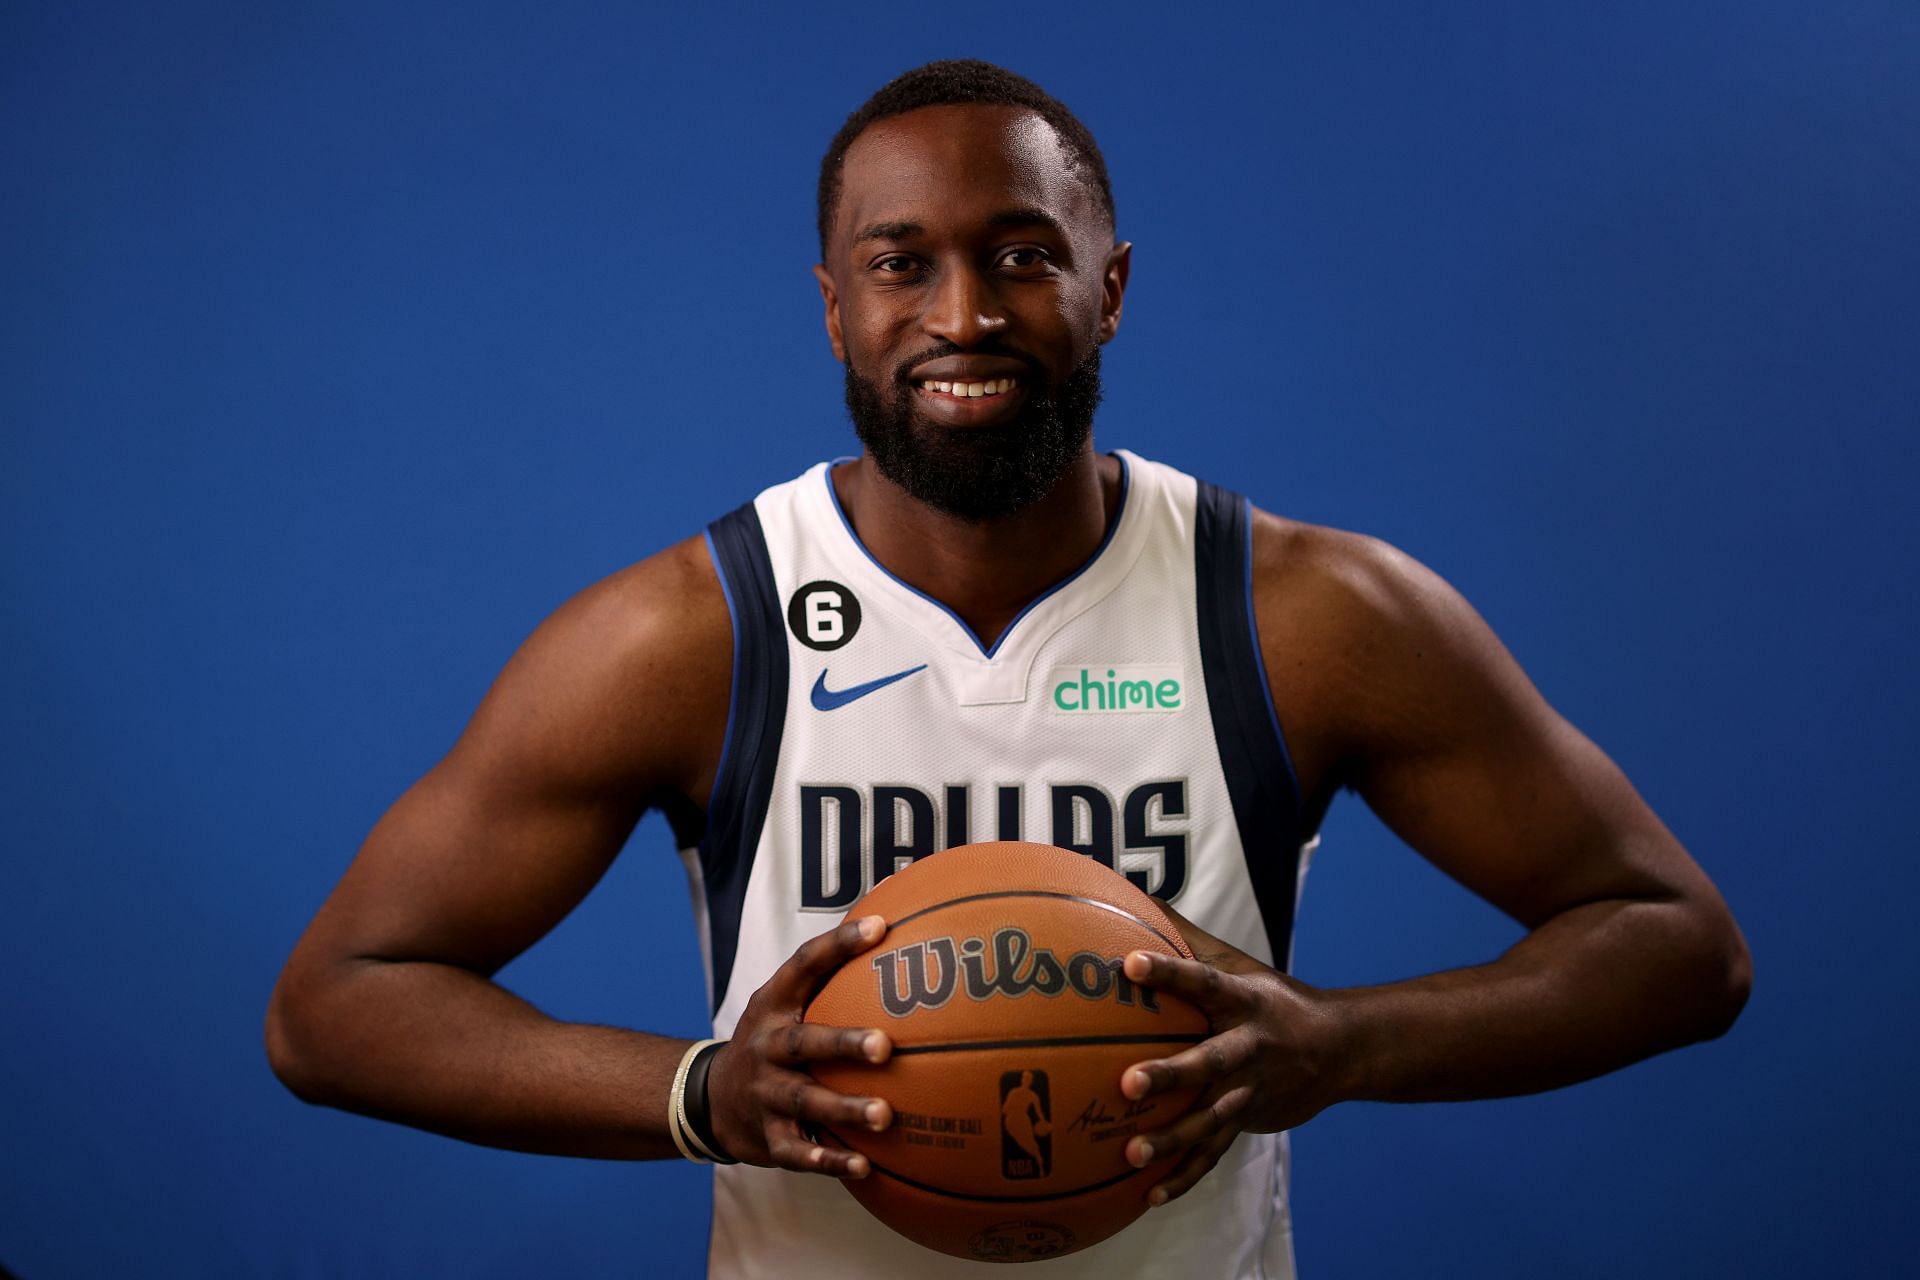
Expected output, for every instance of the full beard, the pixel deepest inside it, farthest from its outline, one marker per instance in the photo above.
(976, 473)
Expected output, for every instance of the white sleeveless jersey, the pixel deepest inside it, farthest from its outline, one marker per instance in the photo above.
(1124, 715)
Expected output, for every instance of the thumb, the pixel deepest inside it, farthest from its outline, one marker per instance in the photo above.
(1208, 949)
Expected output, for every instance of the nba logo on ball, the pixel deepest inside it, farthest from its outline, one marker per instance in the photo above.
(1026, 1125)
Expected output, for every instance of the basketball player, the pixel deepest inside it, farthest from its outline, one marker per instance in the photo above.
(982, 627)
(1024, 1118)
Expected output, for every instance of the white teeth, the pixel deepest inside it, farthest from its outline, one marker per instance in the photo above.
(992, 387)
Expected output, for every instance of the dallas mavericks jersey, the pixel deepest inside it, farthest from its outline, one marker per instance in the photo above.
(1123, 715)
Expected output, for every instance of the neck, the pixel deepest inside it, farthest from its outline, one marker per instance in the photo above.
(985, 571)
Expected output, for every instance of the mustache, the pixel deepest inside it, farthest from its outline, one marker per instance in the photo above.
(903, 372)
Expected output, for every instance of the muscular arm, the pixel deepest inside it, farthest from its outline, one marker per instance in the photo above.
(1387, 683)
(1415, 705)
(387, 1006)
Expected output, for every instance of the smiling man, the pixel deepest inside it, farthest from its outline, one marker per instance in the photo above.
(984, 628)
(977, 412)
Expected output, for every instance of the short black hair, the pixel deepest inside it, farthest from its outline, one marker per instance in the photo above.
(963, 80)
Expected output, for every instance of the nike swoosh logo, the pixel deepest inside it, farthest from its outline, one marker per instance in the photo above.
(825, 699)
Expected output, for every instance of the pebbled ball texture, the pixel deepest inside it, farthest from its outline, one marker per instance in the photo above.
(999, 981)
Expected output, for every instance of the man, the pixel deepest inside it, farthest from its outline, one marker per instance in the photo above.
(912, 650)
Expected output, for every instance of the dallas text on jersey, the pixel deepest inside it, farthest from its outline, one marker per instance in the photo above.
(875, 830)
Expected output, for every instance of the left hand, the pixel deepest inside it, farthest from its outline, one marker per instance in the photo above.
(1267, 1066)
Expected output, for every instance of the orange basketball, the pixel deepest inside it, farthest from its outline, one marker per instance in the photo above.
(999, 980)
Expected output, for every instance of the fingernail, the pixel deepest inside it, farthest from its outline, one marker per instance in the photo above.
(1157, 1197)
(873, 1045)
(857, 1167)
(1139, 965)
(870, 927)
(1136, 1084)
(875, 1114)
(1143, 1155)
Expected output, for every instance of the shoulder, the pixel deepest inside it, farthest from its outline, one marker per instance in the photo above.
(666, 610)
(1364, 644)
(1357, 587)
(626, 680)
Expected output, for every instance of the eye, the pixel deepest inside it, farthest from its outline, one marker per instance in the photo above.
(1026, 258)
(896, 264)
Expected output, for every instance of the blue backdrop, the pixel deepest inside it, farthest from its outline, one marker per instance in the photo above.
(339, 343)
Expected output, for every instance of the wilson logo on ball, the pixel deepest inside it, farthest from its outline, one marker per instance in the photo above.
(925, 975)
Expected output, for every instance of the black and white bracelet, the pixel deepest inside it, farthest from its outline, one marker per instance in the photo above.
(687, 1109)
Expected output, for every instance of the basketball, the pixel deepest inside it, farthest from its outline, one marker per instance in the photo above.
(999, 981)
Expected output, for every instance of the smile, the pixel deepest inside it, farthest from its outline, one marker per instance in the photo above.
(968, 390)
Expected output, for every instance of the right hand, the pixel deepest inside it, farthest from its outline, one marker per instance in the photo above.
(761, 1099)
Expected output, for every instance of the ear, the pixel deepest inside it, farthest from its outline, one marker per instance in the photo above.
(1113, 287)
(831, 298)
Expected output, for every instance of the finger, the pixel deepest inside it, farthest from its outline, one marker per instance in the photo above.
(1213, 990)
(1197, 1164)
(1218, 1112)
(788, 1148)
(823, 953)
(798, 1097)
(1210, 1060)
(796, 981)
(1202, 943)
(794, 1043)
(1211, 950)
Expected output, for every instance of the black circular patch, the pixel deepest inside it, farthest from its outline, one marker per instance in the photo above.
(823, 615)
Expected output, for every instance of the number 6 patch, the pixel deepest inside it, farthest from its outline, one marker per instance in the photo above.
(823, 615)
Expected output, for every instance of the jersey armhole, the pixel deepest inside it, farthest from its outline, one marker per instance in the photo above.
(1246, 728)
(756, 716)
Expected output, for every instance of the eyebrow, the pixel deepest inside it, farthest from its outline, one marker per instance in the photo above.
(1005, 218)
(888, 231)
(1028, 218)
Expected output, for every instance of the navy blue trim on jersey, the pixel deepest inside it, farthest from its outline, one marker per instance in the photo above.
(756, 714)
(988, 650)
(1260, 667)
(1246, 730)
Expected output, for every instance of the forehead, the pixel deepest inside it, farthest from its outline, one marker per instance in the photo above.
(945, 167)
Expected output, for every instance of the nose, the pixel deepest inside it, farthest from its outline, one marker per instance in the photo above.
(964, 308)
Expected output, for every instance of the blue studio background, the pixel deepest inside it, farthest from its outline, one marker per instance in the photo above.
(340, 343)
